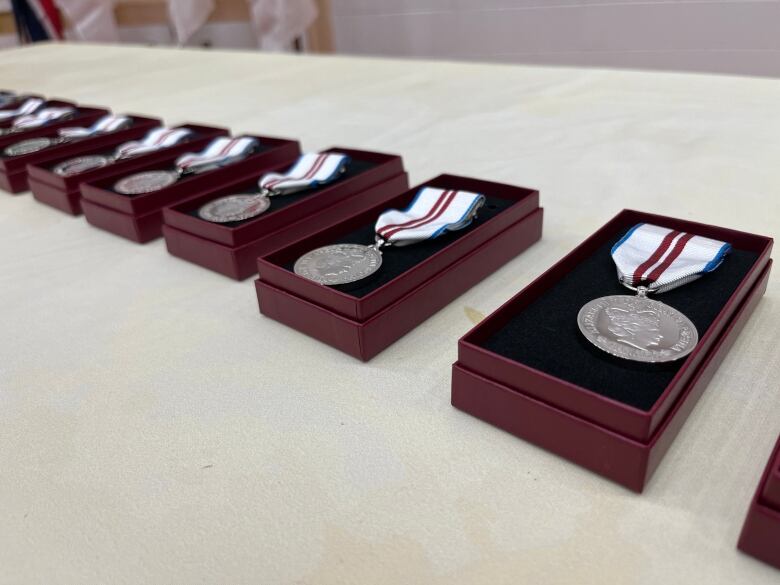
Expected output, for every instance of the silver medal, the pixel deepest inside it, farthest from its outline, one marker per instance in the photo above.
(637, 328)
(28, 146)
(146, 182)
(235, 207)
(81, 164)
(339, 263)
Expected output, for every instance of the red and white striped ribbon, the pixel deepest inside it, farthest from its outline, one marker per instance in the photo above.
(432, 213)
(28, 107)
(663, 259)
(108, 123)
(310, 170)
(41, 117)
(220, 152)
(157, 139)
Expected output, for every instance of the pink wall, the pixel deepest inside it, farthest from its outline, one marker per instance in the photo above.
(727, 36)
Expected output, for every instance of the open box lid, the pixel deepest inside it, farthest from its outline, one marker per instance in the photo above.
(414, 265)
(365, 170)
(66, 150)
(558, 376)
(43, 172)
(268, 153)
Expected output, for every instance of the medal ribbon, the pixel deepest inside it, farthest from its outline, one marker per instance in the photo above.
(107, 123)
(432, 213)
(41, 117)
(157, 139)
(663, 259)
(310, 170)
(28, 107)
(220, 152)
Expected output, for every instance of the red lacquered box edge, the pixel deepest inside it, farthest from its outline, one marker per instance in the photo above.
(240, 262)
(617, 457)
(760, 536)
(583, 402)
(365, 339)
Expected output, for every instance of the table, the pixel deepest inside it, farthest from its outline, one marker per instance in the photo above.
(157, 429)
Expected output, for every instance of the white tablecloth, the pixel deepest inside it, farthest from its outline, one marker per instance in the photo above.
(156, 429)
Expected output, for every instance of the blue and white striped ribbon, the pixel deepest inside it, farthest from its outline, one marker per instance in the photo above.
(108, 123)
(156, 139)
(28, 107)
(432, 213)
(662, 259)
(310, 170)
(220, 152)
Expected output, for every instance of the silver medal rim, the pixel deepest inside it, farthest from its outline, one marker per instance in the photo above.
(125, 185)
(13, 148)
(300, 265)
(208, 211)
(62, 168)
(648, 356)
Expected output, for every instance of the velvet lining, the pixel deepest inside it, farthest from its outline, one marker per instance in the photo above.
(354, 168)
(396, 261)
(545, 335)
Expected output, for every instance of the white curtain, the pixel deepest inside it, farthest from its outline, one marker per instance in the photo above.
(277, 23)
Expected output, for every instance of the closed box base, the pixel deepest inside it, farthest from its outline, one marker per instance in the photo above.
(66, 201)
(14, 183)
(365, 339)
(137, 228)
(760, 536)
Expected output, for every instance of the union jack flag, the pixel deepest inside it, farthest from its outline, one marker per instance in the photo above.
(37, 20)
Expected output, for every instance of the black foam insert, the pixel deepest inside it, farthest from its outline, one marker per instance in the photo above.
(396, 261)
(545, 335)
(260, 147)
(354, 168)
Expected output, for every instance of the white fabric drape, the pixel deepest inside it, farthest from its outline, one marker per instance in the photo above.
(91, 20)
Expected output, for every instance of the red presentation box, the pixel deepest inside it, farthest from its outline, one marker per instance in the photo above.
(232, 249)
(139, 218)
(413, 283)
(81, 117)
(64, 193)
(760, 536)
(13, 169)
(528, 370)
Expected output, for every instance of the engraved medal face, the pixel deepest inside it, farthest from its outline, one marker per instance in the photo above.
(146, 182)
(339, 263)
(235, 207)
(81, 164)
(28, 146)
(637, 328)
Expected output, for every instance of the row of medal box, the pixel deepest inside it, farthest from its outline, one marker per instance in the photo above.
(351, 256)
